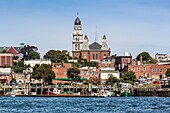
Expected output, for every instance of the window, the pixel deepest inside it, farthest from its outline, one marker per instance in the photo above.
(87, 73)
(85, 56)
(78, 46)
(96, 56)
(93, 56)
(104, 55)
(82, 72)
(160, 70)
(143, 68)
(133, 68)
(138, 68)
(154, 70)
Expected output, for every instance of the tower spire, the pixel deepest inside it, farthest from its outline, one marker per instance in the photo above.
(77, 14)
(96, 35)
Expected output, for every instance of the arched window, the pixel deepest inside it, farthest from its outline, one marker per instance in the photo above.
(75, 46)
(78, 46)
(96, 56)
(93, 56)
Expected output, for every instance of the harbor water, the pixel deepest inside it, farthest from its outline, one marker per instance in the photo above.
(84, 105)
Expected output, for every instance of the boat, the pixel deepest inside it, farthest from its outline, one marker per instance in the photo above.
(125, 93)
(56, 92)
(125, 90)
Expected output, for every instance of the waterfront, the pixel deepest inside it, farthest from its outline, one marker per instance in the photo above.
(81, 105)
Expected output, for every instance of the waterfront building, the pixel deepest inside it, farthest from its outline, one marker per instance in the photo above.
(156, 71)
(23, 78)
(93, 52)
(61, 73)
(5, 75)
(105, 73)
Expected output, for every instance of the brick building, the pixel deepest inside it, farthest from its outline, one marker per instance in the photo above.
(85, 73)
(94, 52)
(156, 71)
(6, 59)
(122, 62)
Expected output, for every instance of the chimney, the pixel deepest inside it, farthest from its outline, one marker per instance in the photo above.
(141, 60)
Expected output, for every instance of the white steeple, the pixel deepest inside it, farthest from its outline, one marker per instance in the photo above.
(104, 44)
(86, 43)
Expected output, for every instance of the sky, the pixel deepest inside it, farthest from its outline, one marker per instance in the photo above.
(129, 25)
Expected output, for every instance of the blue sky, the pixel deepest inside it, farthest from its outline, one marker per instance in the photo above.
(130, 25)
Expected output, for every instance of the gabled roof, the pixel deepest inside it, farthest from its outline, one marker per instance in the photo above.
(95, 46)
(12, 50)
(17, 49)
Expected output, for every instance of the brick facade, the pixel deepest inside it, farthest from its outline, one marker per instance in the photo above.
(6, 59)
(149, 70)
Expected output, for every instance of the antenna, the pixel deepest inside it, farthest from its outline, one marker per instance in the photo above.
(77, 13)
(96, 35)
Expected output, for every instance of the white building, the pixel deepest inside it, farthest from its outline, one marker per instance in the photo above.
(162, 57)
(32, 63)
(106, 72)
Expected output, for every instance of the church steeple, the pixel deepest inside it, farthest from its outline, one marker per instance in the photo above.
(104, 44)
(86, 43)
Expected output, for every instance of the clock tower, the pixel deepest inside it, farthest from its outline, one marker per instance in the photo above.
(77, 42)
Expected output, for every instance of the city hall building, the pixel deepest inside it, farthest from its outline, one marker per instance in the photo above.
(81, 48)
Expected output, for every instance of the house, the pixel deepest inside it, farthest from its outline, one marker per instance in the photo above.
(5, 75)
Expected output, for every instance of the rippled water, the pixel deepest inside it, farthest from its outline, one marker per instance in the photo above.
(87, 105)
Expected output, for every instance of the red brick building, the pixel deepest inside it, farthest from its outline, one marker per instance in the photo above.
(149, 70)
(94, 52)
(61, 73)
(6, 59)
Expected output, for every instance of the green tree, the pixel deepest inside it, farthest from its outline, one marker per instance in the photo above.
(57, 56)
(112, 80)
(73, 73)
(94, 81)
(26, 51)
(13, 81)
(167, 72)
(129, 77)
(44, 72)
(34, 55)
(19, 67)
(146, 58)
